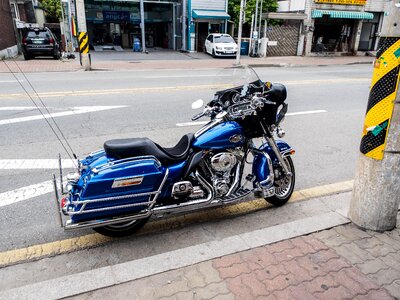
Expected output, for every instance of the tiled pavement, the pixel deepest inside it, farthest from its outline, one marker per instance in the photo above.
(340, 263)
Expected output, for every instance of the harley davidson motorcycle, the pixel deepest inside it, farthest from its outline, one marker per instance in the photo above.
(117, 189)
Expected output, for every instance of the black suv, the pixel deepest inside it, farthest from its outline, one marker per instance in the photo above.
(40, 42)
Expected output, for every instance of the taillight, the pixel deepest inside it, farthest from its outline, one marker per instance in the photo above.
(51, 41)
(24, 41)
(64, 202)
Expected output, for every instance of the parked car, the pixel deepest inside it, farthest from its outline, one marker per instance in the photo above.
(218, 44)
(40, 42)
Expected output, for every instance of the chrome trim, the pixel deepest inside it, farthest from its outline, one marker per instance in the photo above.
(57, 201)
(188, 206)
(236, 181)
(207, 127)
(149, 202)
(274, 147)
(103, 222)
(61, 175)
(111, 164)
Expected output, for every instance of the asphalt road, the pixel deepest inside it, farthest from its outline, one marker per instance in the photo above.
(151, 103)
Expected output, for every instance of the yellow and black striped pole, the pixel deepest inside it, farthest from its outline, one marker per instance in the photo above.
(83, 42)
(385, 83)
(83, 35)
(376, 194)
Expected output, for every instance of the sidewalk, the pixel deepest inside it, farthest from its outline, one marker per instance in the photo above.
(118, 61)
(340, 263)
(317, 256)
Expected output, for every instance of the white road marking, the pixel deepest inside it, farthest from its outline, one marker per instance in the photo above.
(18, 107)
(310, 112)
(199, 123)
(74, 111)
(10, 81)
(26, 193)
(31, 164)
(186, 76)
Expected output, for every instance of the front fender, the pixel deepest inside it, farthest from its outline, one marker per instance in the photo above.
(263, 162)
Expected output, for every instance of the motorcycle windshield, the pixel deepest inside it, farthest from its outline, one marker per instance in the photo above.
(239, 78)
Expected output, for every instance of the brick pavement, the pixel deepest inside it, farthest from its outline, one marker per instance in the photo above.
(340, 263)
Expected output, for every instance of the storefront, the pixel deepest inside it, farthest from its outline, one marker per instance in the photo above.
(205, 17)
(336, 31)
(207, 22)
(118, 23)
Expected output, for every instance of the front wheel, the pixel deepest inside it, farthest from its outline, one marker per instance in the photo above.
(284, 184)
(122, 229)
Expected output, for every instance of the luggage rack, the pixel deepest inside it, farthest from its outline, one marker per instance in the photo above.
(149, 203)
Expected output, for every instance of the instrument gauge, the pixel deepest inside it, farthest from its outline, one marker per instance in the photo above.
(227, 103)
(235, 97)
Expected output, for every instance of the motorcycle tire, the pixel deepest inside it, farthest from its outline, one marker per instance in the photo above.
(283, 188)
(122, 229)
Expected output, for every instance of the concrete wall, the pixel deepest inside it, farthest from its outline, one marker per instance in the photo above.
(7, 34)
(209, 4)
(291, 5)
(376, 5)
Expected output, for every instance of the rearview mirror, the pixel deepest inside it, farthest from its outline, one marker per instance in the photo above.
(197, 104)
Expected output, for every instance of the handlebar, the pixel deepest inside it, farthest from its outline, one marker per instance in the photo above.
(206, 112)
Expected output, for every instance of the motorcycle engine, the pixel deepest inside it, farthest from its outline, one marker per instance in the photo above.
(222, 165)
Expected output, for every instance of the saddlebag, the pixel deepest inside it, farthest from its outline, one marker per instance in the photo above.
(115, 188)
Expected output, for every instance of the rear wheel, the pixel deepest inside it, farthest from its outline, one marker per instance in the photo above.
(284, 184)
(122, 229)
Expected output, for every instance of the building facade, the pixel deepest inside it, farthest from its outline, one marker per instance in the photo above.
(15, 15)
(169, 24)
(338, 26)
(8, 42)
(205, 16)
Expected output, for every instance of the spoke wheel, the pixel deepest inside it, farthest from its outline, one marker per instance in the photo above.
(122, 229)
(284, 185)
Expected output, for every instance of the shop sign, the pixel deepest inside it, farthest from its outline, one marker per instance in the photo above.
(115, 16)
(344, 2)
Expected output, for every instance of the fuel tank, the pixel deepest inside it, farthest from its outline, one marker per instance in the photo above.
(219, 136)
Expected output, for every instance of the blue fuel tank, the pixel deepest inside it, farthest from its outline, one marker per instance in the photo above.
(222, 136)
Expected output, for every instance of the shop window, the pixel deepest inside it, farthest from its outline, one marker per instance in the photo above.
(14, 11)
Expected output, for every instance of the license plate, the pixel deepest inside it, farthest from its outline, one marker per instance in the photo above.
(228, 52)
(37, 41)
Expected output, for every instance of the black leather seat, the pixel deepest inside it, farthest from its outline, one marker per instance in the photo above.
(125, 148)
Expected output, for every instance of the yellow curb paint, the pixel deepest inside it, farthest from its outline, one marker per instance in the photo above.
(93, 240)
(173, 88)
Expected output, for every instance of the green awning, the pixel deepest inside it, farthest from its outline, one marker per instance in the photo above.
(210, 14)
(342, 14)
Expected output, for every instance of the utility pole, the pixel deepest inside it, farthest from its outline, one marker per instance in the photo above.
(376, 194)
(82, 36)
(184, 25)
(240, 32)
(142, 26)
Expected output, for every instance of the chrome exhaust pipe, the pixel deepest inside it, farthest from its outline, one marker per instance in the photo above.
(190, 205)
(104, 222)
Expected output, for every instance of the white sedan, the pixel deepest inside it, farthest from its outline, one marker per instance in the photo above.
(218, 44)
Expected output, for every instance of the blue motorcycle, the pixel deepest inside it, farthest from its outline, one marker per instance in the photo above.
(116, 190)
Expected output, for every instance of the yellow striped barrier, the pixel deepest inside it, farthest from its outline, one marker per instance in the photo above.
(385, 82)
(83, 42)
